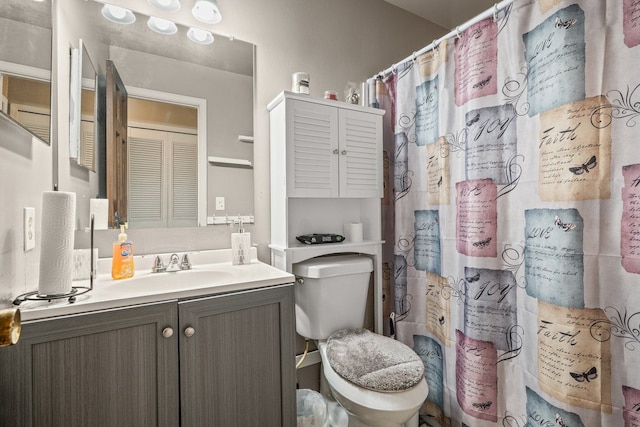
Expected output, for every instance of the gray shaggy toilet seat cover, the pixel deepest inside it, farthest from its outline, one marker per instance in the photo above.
(373, 361)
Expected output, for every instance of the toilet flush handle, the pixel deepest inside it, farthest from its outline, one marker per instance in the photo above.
(299, 280)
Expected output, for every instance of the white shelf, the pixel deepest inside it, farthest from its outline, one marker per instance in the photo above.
(230, 161)
(299, 251)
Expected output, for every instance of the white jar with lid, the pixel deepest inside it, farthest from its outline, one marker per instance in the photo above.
(300, 83)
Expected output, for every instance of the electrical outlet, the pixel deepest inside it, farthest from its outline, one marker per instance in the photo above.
(29, 229)
(219, 203)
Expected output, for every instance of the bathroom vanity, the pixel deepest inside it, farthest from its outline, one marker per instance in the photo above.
(213, 353)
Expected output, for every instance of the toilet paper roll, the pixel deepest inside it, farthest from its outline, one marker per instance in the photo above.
(99, 208)
(353, 232)
(56, 254)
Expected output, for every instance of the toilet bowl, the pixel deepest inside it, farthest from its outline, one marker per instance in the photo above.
(331, 295)
(373, 408)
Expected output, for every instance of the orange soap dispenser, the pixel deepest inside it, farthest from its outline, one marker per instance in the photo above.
(122, 263)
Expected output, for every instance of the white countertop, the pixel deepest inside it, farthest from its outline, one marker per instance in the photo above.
(211, 274)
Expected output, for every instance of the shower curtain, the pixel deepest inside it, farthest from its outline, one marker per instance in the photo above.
(512, 216)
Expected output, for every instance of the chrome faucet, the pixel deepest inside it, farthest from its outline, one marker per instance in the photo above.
(174, 263)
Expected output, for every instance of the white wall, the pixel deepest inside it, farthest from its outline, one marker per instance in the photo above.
(336, 41)
(25, 169)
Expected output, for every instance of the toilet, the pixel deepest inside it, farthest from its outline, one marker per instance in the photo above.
(331, 296)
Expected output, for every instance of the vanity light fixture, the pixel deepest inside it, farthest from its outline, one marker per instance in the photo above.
(161, 26)
(166, 5)
(199, 36)
(117, 14)
(206, 11)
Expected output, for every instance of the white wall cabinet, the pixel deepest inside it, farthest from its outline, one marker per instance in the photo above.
(332, 149)
(326, 170)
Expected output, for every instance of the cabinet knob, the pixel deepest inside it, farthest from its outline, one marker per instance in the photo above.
(344, 152)
(189, 332)
(167, 332)
(335, 151)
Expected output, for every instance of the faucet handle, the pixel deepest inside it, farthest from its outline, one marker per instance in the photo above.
(158, 265)
(186, 263)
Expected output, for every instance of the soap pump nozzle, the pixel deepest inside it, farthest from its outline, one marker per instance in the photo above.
(122, 237)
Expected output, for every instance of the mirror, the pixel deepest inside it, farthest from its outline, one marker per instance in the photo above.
(217, 80)
(82, 108)
(25, 65)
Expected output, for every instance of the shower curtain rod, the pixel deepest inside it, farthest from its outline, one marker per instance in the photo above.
(455, 32)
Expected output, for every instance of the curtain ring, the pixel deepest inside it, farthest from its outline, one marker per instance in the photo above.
(495, 12)
(414, 56)
(458, 35)
(394, 69)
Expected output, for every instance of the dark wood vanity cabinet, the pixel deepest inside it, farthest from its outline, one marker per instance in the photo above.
(223, 360)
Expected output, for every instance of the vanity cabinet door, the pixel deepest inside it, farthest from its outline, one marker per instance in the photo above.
(108, 368)
(237, 359)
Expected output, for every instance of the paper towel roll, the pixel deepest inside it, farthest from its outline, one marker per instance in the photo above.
(100, 210)
(353, 232)
(56, 254)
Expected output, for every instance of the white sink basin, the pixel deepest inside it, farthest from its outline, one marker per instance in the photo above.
(195, 278)
(212, 274)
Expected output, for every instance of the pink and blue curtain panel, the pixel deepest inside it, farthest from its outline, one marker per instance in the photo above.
(512, 215)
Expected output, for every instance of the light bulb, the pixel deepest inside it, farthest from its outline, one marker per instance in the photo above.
(199, 36)
(206, 11)
(162, 26)
(117, 14)
(167, 5)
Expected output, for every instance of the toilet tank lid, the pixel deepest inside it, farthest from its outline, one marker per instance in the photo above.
(335, 265)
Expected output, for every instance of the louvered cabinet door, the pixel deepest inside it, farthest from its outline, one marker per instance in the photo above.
(360, 149)
(312, 150)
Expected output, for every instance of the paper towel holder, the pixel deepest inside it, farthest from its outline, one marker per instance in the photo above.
(75, 290)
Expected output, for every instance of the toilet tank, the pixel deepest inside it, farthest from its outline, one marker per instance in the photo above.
(332, 294)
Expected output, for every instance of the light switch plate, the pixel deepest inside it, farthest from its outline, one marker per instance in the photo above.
(219, 203)
(29, 228)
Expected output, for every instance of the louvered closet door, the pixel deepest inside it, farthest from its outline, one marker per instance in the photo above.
(360, 154)
(312, 144)
(163, 178)
(183, 194)
(146, 177)
(87, 144)
(36, 120)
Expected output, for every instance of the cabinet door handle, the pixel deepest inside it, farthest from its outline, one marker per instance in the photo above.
(189, 332)
(167, 332)
(344, 152)
(335, 151)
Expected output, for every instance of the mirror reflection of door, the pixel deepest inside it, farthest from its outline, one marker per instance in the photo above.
(116, 141)
(26, 100)
(162, 170)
